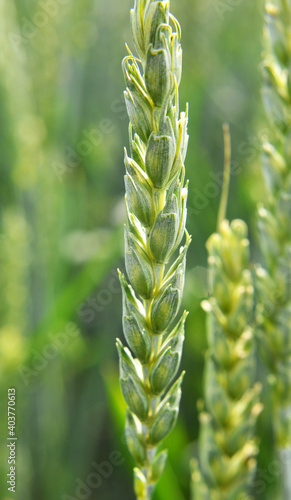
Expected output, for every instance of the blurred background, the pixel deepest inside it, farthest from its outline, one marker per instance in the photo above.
(63, 129)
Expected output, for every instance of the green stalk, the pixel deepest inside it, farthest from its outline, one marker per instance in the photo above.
(227, 447)
(226, 176)
(156, 214)
(274, 281)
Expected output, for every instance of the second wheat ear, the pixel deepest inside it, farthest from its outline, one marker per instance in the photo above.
(227, 446)
(156, 197)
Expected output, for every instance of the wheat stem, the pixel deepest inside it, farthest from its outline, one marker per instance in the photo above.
(226, 176)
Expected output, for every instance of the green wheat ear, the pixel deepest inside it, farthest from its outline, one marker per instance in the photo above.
(274, 225)
(227, 447)
(156, 214)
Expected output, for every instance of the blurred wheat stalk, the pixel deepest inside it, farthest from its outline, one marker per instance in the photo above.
(30, 224)
(274, 281)
(227, 447)
(156, 215)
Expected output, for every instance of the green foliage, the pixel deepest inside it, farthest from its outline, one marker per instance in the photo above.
(61, 219)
